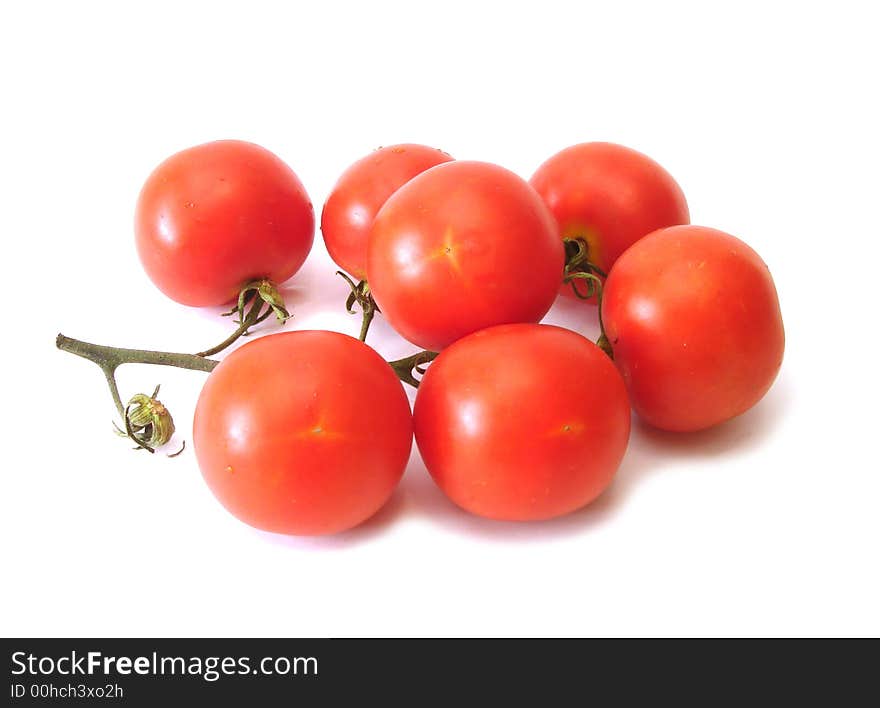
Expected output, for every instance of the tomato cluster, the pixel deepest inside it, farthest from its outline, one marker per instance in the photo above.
(310, 432)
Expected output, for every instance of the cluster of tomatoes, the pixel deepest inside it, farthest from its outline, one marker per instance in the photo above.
(309, 432)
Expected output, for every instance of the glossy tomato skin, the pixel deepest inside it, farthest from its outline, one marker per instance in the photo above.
(693, 318)
(463, 246)
(213, 217)
(610, 196)
(303, 433)
(359, 194)
(522, 422)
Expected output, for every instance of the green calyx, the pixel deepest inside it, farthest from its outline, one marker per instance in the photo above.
(360, 294)
(584, 276)
(148, 423)
(407, 368)
(257, 301)
(268, 293)
(586, 280)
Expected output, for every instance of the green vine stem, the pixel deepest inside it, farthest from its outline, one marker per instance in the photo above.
(579, 268)
(603, 342)
(109, 359)
(258, 294)
(360, 294)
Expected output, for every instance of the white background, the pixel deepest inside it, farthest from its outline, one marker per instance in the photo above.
(764, 112)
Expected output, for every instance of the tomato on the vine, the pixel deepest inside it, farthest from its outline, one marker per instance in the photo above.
(522, 422)
(303, 432)
(359, 194)
(214, 217)
(693, 319)
(608, 196)
(461, 247)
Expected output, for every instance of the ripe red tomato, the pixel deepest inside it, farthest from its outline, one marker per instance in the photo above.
(284, 437)
(609, 196)
(216, 216)
(461, 247)
(359, 194)
(522, 422)
(693, 318)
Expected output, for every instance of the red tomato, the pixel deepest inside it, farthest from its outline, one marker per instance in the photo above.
(282, 437)
(459, 248)
(359, 194)
(216, 216)
(693, 318)
(522, 422)
(609, 196)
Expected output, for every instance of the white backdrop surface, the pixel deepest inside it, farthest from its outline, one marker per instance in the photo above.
(766, 114)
